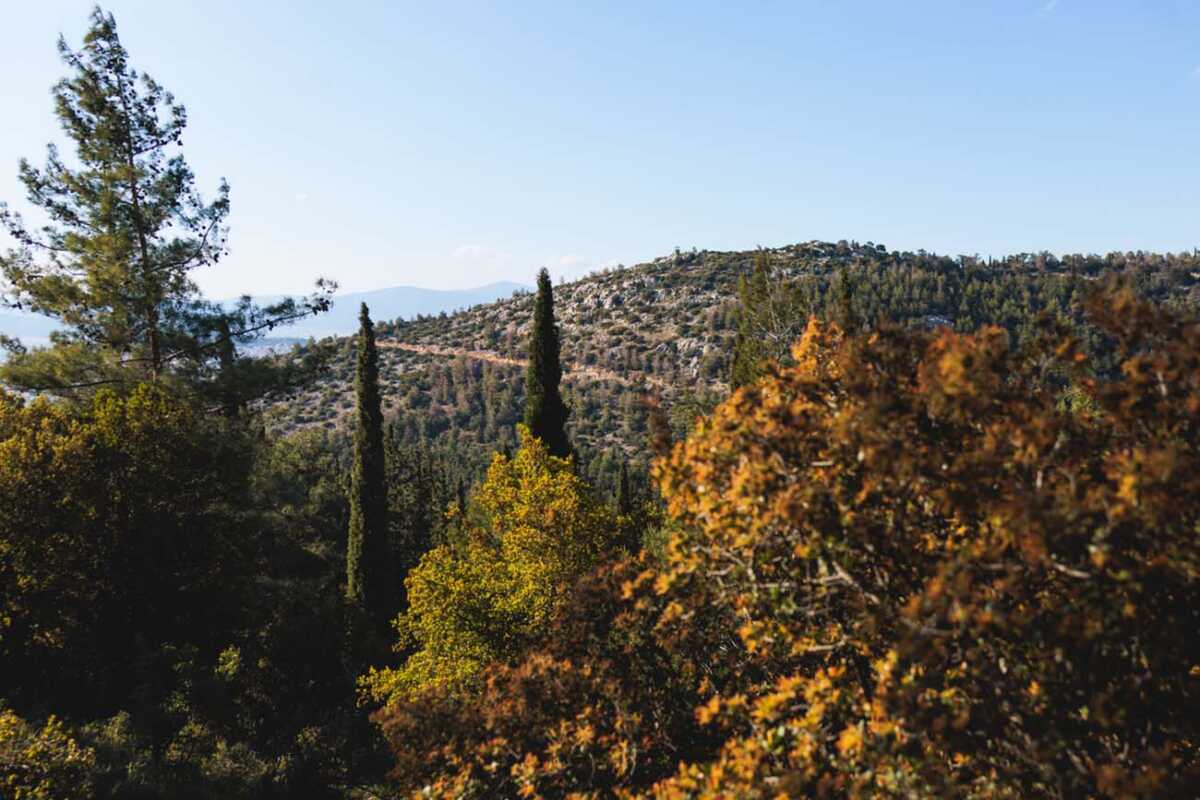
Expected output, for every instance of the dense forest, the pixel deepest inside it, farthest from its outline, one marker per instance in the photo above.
(823, 520)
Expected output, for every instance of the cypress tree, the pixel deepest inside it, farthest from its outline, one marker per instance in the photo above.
(545, 411)
(624, 494)
(366, 547)
(632, 520)
(845, 315)
(460, 492)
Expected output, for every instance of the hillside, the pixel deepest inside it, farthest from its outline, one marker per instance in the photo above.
(667, 328)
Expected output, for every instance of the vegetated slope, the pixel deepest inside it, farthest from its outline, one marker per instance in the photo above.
(668, 328)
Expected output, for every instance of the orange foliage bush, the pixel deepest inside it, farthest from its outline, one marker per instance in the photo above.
(605, 702)
(904, 568)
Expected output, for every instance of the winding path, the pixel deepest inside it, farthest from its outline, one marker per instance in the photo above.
(569, 373)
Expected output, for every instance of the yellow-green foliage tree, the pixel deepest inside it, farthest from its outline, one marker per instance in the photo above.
(904, 568)
(42, 764)
(487, 595)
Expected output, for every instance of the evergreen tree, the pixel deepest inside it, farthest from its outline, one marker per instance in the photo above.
(460, 493)
(749, 350)
(545, 411)
(844, 312)
(125, 227)
(412, 509)
(367, 548)
(660, 437)
(629, 524)
(771, 315)
(624, 493)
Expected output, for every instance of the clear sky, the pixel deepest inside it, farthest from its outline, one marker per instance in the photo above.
(452, 144)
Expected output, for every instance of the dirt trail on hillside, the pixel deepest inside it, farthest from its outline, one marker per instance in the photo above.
(570, 372)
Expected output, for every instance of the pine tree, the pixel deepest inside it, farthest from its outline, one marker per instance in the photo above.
(749, 350)
(367, 558)
(126, 225)
(545, 411)
(771, 316)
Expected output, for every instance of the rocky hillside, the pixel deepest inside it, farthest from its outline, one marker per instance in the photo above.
(666, 329)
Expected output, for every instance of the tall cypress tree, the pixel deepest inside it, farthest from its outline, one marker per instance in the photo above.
(366, 547)
(624, 493)
(845, 314)
(628, 535)
(545, 411)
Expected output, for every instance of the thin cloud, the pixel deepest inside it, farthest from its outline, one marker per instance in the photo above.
(569, 261)
(1048, 7)
(302, 197)
(478, 252)
(1196, 74)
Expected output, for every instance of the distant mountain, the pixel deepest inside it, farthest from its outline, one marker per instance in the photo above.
(400, 302)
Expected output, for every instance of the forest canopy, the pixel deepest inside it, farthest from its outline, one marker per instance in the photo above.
(901, 567)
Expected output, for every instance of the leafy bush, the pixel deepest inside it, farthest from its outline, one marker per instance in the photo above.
(44, 763)
(486, 595)
(959, 586)
(116, 530)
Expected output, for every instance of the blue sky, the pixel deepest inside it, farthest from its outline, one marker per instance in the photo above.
(451, 144)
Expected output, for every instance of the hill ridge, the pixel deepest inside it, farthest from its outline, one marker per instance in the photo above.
(669, 326)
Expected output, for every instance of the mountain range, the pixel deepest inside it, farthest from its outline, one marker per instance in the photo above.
(399, 302)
